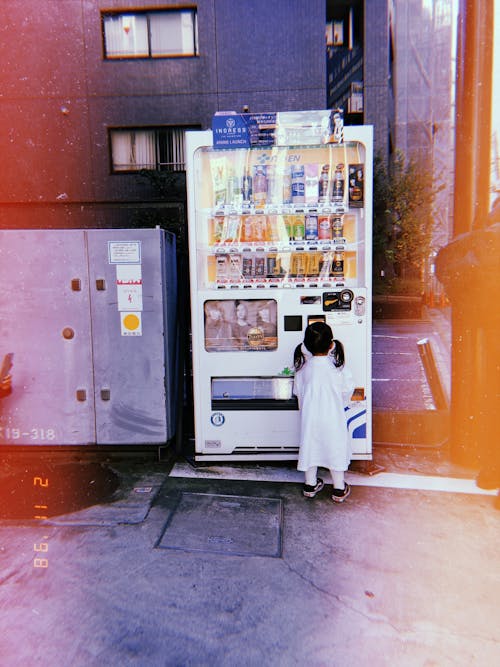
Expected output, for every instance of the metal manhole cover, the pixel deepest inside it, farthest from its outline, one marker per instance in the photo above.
(232, 525)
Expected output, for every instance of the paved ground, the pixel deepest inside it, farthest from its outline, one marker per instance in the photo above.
(398, 376)
(394, 576)
(404, 573)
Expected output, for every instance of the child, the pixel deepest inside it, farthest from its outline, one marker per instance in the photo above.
(320, 382)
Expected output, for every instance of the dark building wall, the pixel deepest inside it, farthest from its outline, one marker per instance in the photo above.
(59, 96)
(378, 108)
(271, 54)
(365, 60)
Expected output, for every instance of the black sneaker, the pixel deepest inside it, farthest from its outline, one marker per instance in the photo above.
(339, 496)
(310, 491)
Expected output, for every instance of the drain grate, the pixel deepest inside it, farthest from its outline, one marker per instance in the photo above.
(231, 525)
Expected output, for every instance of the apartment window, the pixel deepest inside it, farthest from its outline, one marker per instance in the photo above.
(153, 34)
(355, 101)
(162, 148)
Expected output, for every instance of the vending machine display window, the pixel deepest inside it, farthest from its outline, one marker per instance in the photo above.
(234, 325)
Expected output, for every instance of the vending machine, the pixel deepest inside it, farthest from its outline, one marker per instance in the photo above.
(280, 226)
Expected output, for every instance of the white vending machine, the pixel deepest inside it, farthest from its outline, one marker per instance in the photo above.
(280, 224)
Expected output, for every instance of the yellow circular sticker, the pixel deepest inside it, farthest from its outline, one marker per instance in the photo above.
(255, 337)
(131, 322)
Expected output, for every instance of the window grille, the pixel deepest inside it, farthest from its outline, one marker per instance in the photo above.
(159, 148)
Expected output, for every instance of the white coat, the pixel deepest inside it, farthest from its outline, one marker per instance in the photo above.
(322, 391)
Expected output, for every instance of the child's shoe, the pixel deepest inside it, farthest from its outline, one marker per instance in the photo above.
(310, 491)
(339, 496)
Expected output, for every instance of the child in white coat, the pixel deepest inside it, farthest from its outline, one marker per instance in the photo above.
(322, 387)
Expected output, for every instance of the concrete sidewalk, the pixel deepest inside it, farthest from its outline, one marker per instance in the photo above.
(394, 576)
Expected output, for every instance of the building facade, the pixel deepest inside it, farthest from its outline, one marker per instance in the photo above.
(424, 125)
(96, 96)
(360, 59)
(390, 63)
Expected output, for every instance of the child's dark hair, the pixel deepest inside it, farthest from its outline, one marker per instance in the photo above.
(317, 339)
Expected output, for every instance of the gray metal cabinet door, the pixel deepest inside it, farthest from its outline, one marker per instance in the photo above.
(45, 322)
(126, 278)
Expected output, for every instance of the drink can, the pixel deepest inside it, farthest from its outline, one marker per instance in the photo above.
(247, 229)
(260, 266)
(298, 227)
(313, 264)
(338, 227)
(272, 228)
(325, 265)
(356, 180)
(232, 229)
(259, 227)
(248, 267)
(324, 228)
(288, 222)
(298, 264)
(271, 264)
(338, 264)
(222, 267)
(216, 229)
(235, 267)
(311, 227)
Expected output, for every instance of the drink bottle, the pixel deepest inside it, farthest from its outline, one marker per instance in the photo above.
(259, 187)
(338, 184)
(324, 227)
(324, 183)
(246, 187)
(298, 184)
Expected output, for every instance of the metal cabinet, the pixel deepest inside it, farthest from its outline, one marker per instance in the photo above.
(90, 318)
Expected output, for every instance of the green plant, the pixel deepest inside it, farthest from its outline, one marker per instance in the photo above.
(403, 196)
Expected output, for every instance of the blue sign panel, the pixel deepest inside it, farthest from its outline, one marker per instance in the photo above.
(243, 130)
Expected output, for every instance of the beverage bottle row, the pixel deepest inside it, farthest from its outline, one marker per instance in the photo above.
(241, 267)
(260, 228)
(308, 184)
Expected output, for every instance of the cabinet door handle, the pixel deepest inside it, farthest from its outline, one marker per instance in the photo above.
(81, 395)
(76, 285)
(105, 394)
(100, 284)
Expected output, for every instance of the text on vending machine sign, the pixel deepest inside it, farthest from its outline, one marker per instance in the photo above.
(242, 130)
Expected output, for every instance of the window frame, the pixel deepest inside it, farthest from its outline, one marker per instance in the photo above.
(148, 13)
(156, 129)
